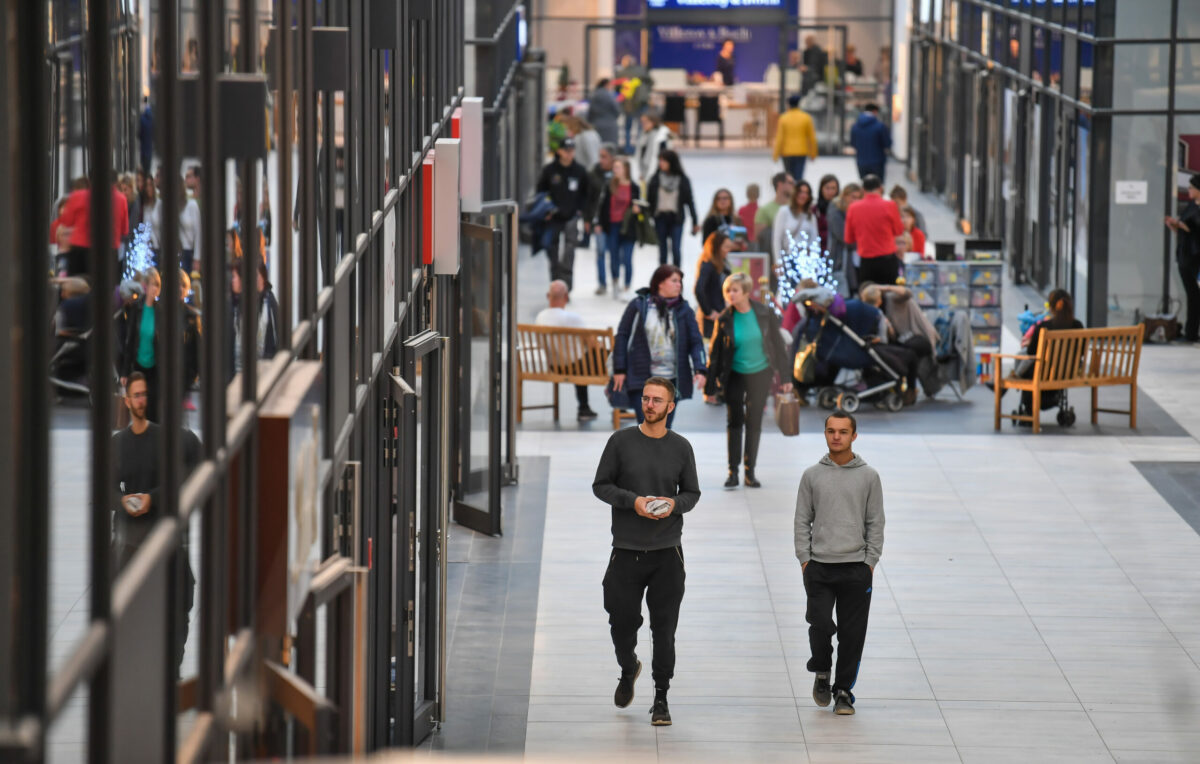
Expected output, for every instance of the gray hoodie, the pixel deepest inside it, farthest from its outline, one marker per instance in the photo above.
(839, 513)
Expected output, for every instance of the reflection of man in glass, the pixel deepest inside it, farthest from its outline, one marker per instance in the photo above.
(725, 63)
(140, 494)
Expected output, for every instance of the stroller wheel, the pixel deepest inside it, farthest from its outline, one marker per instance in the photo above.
(827, 398)
(894, 401)
(848, 402)
(1066, 417)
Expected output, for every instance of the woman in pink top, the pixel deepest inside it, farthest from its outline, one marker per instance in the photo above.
(615, 220)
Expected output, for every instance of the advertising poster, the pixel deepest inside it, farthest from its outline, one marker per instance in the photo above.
(695, 49)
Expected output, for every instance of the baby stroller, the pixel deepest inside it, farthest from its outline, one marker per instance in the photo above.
(879, 381)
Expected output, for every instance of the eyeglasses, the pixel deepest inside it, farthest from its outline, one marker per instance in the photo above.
(656, 401)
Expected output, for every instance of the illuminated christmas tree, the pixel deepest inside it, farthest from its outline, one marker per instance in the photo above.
(803, 259)
(138, 256)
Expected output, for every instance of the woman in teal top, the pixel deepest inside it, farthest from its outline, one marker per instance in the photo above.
(747, 352)
(140, 346)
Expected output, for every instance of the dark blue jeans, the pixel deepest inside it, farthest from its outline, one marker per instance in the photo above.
(795, 167)
(621, 253)
(670, 233)
(871, 169)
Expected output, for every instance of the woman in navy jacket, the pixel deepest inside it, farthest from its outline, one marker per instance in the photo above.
(658, 337)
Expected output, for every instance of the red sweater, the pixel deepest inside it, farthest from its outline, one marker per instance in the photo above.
(873, 223)
(77, 216)
(747, 213)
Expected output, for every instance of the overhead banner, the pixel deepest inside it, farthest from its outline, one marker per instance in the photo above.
(695, 48)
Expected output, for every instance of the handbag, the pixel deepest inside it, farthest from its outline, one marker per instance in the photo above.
(787, 414)
(804, 365)
(619, 399)
(538, 207)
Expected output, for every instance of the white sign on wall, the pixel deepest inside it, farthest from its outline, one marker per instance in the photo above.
(1131, 191)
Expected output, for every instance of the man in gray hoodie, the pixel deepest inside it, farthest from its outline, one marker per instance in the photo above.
(839, 538)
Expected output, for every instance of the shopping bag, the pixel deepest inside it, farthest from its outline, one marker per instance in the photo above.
(787, 414)
(618, 399)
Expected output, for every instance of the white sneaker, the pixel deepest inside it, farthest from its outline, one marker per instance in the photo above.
(617, 292)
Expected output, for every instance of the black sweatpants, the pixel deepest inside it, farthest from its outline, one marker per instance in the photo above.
(1189, 271)
(745, 398)
(883, 269)
(560, 250)
(659, 576)
(845, 586)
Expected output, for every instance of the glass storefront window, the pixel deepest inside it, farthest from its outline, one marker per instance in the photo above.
(1141, 19)
(1135, 231)
(1056, 60)
(1187, 162)
(1187, 77)
(1140, 76)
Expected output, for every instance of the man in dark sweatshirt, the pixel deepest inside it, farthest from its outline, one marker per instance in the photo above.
(648, 475)
(566, 182)
(839, 538)
(139, 492)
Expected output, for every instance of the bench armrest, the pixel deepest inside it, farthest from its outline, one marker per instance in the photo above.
(1012, 355)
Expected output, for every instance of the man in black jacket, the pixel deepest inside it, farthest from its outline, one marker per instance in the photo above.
(566, 182)
(648, 475)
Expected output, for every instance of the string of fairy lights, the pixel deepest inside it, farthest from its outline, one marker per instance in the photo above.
(802, 258)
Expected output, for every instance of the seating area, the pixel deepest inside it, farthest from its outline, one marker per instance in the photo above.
(562, 355)
(1074, 358)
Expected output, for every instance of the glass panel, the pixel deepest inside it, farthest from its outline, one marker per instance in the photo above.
(1141, 19)
(1082, 214)
(1140, 76)
(1187, 77)
(477, 337)
(1135, 231)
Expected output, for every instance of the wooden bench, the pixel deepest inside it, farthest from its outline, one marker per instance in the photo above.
(1069, 358)
(560, 354)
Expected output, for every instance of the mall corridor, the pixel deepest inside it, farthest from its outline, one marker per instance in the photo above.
(297, 469)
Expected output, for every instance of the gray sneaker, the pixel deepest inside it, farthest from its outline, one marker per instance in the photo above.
(601, 290)
(822, 694)
(844, 704)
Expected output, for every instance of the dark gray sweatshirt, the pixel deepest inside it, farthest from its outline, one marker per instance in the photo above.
(633, 465)
(839, 513)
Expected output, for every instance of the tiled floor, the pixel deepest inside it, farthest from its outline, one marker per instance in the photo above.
(1037, 600)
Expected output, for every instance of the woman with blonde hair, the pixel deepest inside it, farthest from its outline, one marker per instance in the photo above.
(142, 341)
(745, 354)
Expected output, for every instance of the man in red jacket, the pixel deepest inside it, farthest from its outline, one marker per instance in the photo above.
(873, 223)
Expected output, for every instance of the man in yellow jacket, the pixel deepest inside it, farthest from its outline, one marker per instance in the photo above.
(795, 139)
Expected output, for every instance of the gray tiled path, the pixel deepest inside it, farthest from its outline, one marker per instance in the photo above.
(1037, 600)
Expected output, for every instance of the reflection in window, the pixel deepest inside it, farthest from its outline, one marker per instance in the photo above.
(1135, 231)
(1140, 76)
(1187, 77)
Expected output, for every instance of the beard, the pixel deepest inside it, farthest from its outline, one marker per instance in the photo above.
(653, 417)
(138, 411)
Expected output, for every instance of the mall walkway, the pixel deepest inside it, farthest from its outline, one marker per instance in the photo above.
(1037, 599)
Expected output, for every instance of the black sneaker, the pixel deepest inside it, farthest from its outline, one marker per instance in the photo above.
(586, 415)
(822, 694)
(844, 705)
(660, 715)
(732, 480)
(624, 694)
(751, 481)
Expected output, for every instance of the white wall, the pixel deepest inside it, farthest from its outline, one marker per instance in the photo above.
(901, 37)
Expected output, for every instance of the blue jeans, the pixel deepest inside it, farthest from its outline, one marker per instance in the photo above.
(621, 252)
(795, 167)
(871, 169)
(603, 255)
(669, 233)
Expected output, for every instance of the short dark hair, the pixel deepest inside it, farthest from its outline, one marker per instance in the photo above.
(661, 274)
(872, 183)
(136, 376)
(794, 100)
(873, 107)
(661, 382)
(777, 178)
(195, 170)
(603, 83)
(842, 414)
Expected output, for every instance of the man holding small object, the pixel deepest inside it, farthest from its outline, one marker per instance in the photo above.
(137, 451)
(648, 475)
